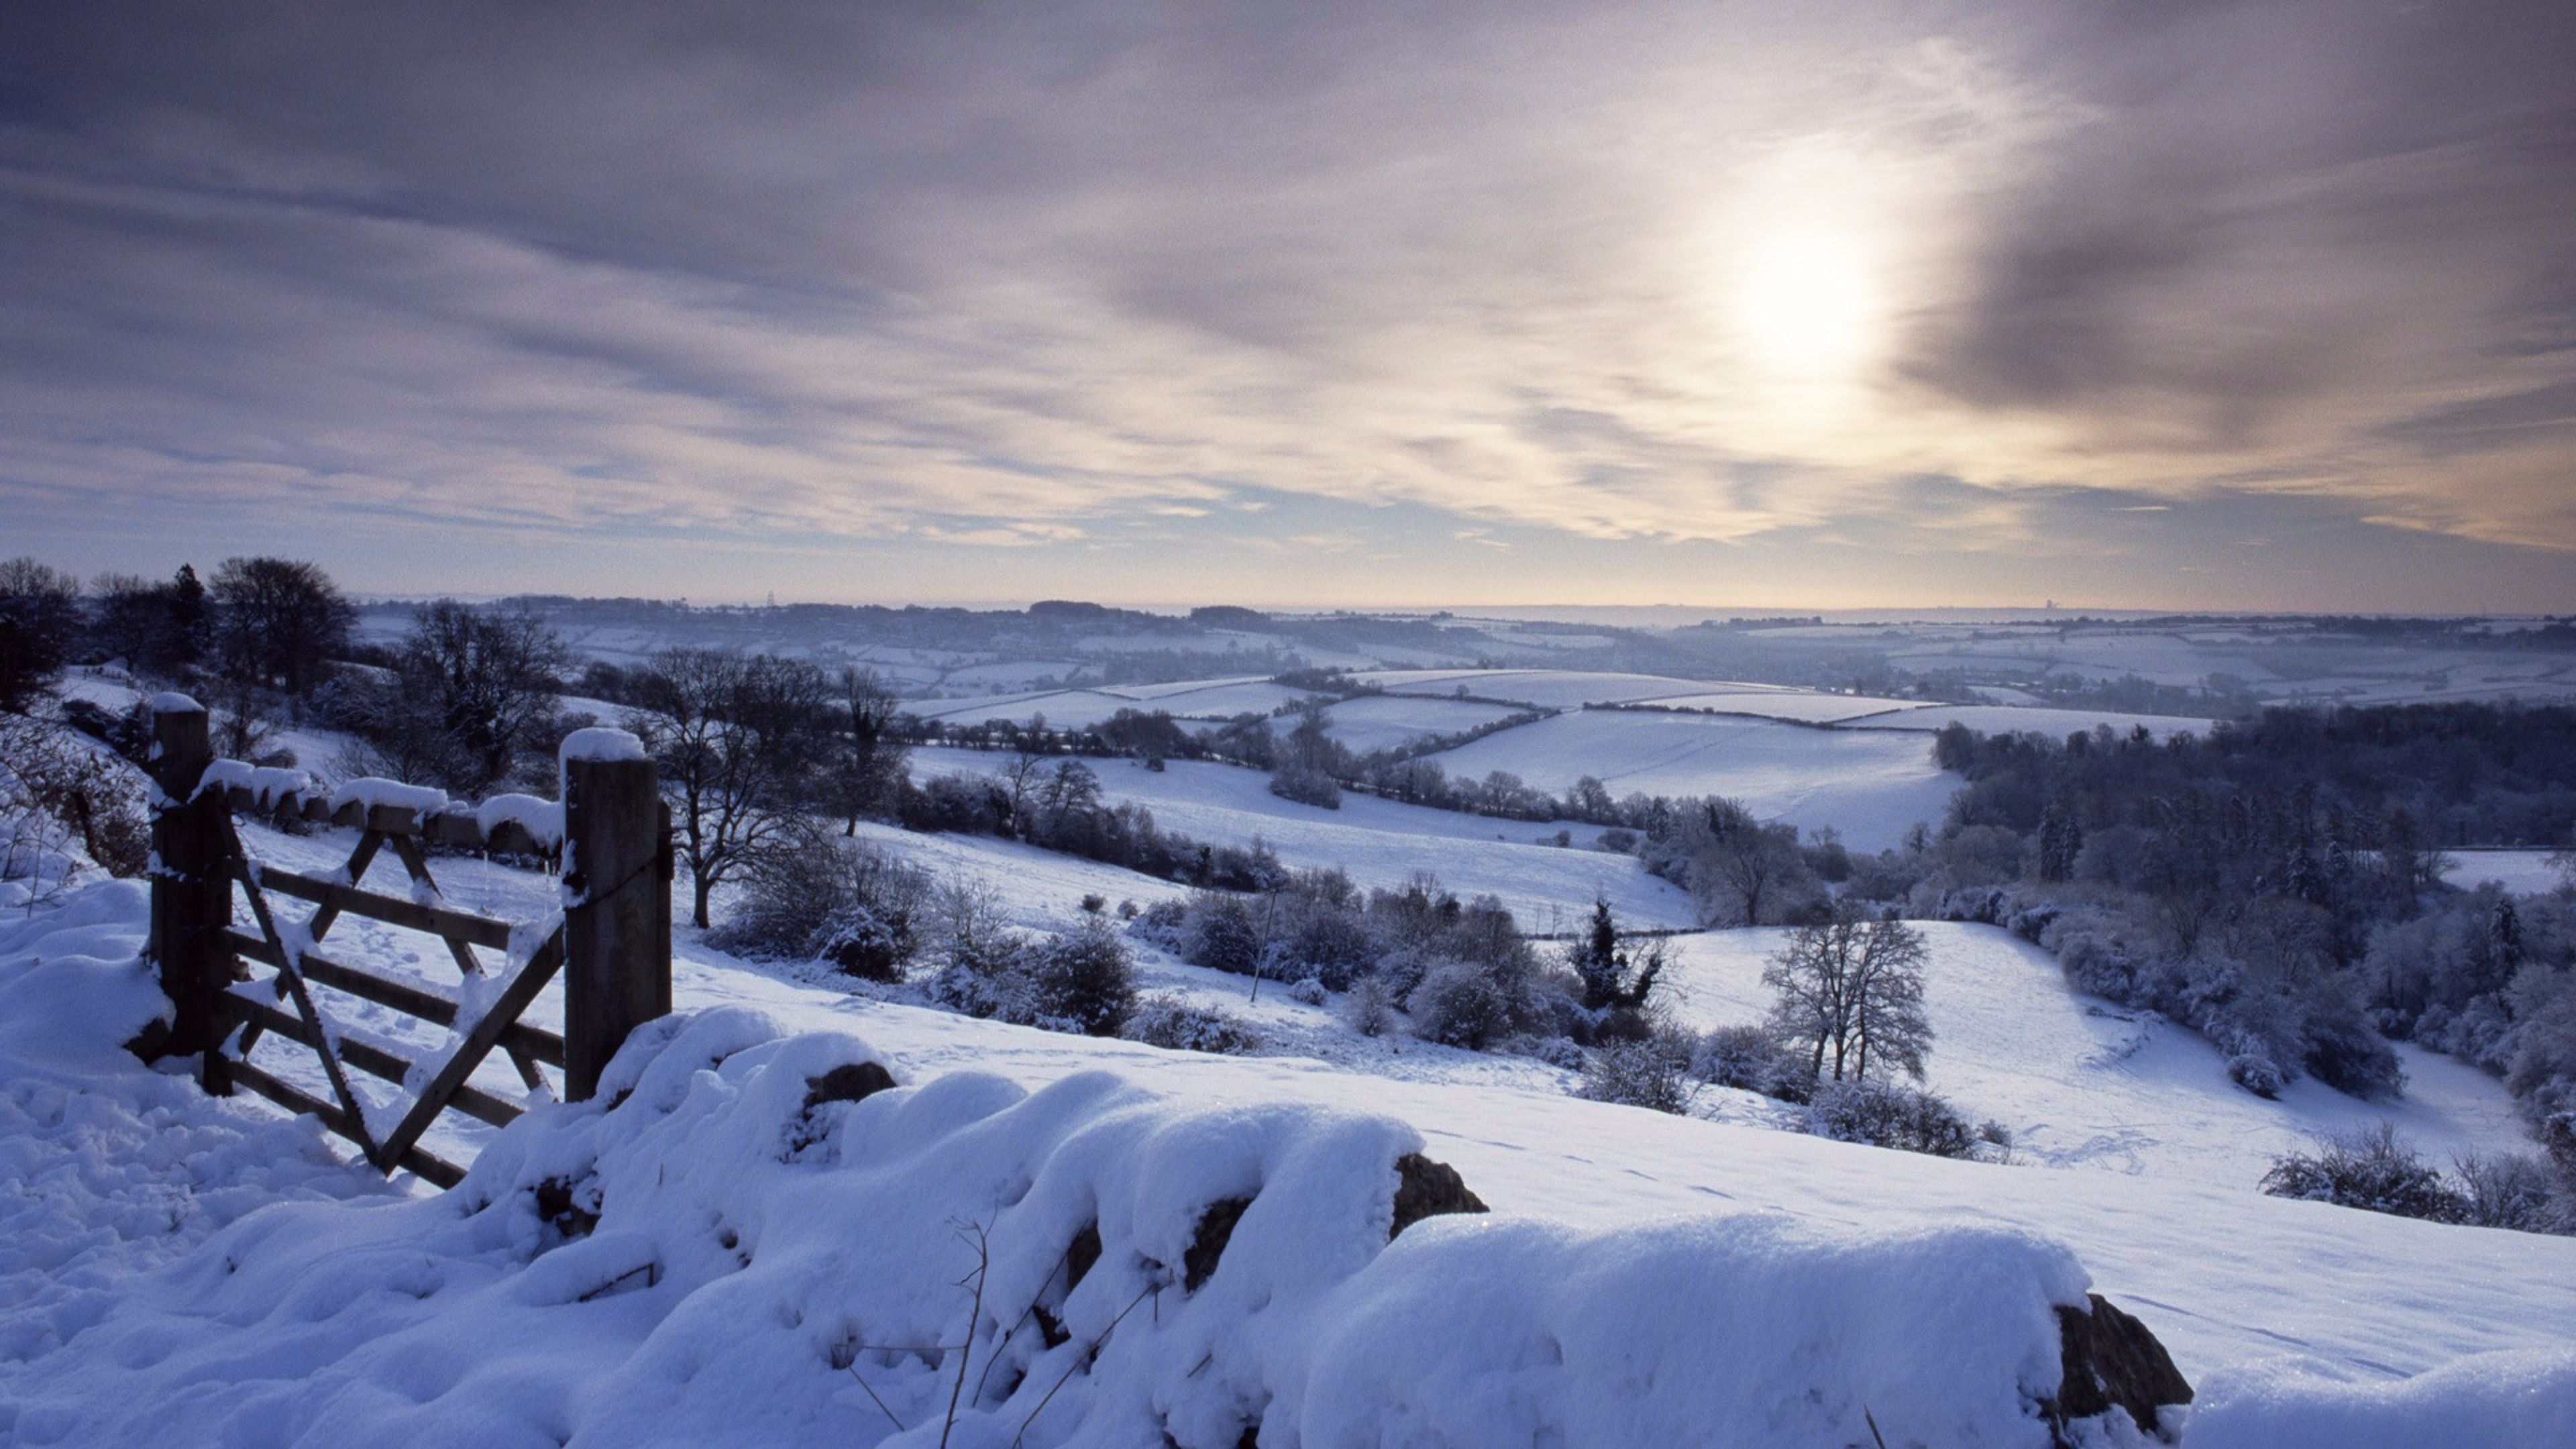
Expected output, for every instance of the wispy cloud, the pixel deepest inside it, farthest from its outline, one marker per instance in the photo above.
(1635, 276)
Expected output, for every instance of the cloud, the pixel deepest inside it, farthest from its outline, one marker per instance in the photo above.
(935, 278)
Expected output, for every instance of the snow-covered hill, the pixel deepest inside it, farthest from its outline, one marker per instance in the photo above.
(443, 1324)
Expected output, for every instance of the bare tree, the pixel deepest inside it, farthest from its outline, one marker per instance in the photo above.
(1740, 867)
(473, 688)
(277, 621)
(127, 615)
(866, 759)
(736, 741)
(1852, 991)
(39, 617)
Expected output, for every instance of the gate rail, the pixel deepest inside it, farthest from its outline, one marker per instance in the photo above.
(612, 940)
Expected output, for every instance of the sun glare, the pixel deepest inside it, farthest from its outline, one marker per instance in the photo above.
(1803, 299)
(1806, 302)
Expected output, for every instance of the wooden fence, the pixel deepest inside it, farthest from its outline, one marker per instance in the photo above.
(612, 945)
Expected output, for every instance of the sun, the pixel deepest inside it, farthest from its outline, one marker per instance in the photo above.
(1805, 301)
(1803, 248)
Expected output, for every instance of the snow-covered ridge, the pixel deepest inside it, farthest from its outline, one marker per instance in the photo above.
(725, 1248)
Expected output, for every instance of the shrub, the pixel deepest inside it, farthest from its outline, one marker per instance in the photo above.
(1308, 990)
(2346, 1054)
(1460, 1004)
(1327, 941)
(1306, 786)
(1882, 1114)
(2370, 1169)
(977, 952)
(1083, 982)
(2256, 1072)
(60, 795)
(1164, 923)
(829, 900)
(1752, 1059)
(1370, 1008)
(1635, 1074)
(1220, 934)
(2513, 1190)
(1168, 1021)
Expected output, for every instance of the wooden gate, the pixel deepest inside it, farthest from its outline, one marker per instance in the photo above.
(612, 940)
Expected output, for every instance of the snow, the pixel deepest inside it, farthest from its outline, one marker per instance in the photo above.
(171, 701)
(2085, 1084)
(768, 1269)
(601, 743)
(1542, 688)
(541, 818)
(2520, 872)
(1797, 707)
(2502, 1400)
(1997, 719)
(1389, 721)
(269, 785)
(1616, 1231)
(1379, 842)
(1871, 786)
(377, 793)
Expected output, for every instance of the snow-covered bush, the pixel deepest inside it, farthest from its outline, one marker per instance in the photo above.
(1222, 934)
(1752, 1059)
(831, 900)
(1882, 1114)
(976, 949)
(1308, 991)
(2256, 1072)
(1326, 939)
(65, 804)
(2514, 1190)
(1162, 923)
(1306, 785)
(1636, 1074)
(1081, 982)
(1169, 1021)
(1370, 1009)
(2372, 1169)
(1462, 1004)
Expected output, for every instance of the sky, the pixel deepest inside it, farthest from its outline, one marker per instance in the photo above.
(2171, 305)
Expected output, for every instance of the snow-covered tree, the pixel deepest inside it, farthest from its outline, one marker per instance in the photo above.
(1851, 993)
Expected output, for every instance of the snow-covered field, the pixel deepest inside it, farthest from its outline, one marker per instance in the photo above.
(1796, 706)
(1380, 842)
(1870, 785)
(1389, 721)
(1998, 719)
(1622, 1236)
(2085, 1084)
(2522, 872)
(421, 1326)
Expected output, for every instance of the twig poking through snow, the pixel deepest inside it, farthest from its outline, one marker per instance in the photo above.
(968, 1232)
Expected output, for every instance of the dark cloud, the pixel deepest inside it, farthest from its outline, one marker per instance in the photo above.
(2264, 204)
(932, 271)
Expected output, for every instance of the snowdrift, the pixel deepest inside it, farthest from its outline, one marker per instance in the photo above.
(759, 1238)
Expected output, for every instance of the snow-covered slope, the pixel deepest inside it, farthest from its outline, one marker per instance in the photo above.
(1380, 842)
(2083, 1083)
(1870, 785)
(431, 1324)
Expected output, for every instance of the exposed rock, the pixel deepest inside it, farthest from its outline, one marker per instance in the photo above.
(2109, 1360)
(1207, 1245)
(854, 1082)
(1427, 1189)
(1080, 1255)
(560, 1202)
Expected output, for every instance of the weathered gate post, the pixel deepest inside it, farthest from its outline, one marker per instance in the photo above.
(617, 889)
(192, 893)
